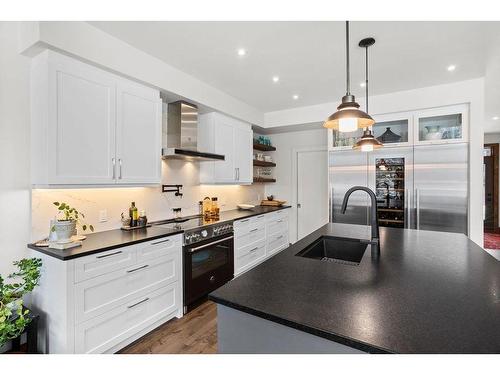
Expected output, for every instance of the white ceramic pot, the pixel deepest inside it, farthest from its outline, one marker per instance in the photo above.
(64, 230)
(433, 133)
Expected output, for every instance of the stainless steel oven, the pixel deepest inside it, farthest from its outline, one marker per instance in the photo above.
(208, 262)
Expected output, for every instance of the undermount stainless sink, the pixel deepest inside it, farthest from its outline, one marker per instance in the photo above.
(337, 250)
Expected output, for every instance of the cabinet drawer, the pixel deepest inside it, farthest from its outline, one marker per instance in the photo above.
(158, 247)
(107, 330)
(254, 235)
(276, 242)
(276, 215)
(103, 293)
(244, 226)
(277, 226)
(94, 265)
(248, 256)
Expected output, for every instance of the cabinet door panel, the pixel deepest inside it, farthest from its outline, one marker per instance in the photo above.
(138, 138)
(243, 139)
(224, 138)
(82, 125)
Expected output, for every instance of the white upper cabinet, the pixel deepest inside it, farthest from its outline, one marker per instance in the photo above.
(442, 125)
(90, 127)
(224, 135)
(138, 134)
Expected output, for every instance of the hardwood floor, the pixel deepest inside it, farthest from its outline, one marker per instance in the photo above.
(194, 333)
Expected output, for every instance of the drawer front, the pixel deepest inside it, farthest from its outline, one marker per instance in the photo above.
(94, 265)
(244, 226)
(248, 256)
(276, 215)
(254, 235)
(98, 295)
(107, 330)
(277, 226)
(158, 247)
(276, 242)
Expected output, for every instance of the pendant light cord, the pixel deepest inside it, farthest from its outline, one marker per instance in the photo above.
(366, 78)
(348, 70)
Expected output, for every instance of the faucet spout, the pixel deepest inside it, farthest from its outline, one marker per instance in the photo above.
(375, 237)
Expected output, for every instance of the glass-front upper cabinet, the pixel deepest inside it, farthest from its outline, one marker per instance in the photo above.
(343, 141)
(393, 129)
(442, 125)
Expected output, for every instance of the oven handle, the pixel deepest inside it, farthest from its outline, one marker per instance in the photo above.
(194, 249)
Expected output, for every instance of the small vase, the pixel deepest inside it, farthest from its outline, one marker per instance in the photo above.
(64, 230)
(433, 133)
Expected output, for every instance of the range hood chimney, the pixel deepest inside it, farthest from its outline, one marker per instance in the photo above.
(182, 134)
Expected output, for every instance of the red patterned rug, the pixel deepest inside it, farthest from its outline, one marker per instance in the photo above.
(492, 241)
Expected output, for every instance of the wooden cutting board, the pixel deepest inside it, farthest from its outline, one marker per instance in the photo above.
(275, 203)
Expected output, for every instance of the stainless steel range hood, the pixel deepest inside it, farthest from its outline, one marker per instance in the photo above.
(182, 134)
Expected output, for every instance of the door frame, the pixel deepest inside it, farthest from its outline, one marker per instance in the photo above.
(295, 180)
(495, 150)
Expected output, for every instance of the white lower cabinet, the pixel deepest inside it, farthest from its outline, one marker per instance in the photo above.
(258, 238)
(110, 329)
(103, 302)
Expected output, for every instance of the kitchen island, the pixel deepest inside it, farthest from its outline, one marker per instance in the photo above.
(426, 292)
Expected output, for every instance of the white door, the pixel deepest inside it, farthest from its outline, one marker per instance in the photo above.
(138, 134)
(312, 191)
(81, 125)
(243, 139)
(224, 171)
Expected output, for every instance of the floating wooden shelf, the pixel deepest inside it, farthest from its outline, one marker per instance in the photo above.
(260, 147)
(261, 163)
(263, 180)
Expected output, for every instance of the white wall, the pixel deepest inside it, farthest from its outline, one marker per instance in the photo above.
(284, 187)
(14, 149)
(471, 92)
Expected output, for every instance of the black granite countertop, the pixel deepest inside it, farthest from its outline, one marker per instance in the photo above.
(428, 292)
(112, 239)
(107, 240)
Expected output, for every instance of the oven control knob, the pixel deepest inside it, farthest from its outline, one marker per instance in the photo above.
(212, 279)
(204, 233)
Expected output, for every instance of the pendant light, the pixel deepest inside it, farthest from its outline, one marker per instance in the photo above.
(367, 142)
(348, 117)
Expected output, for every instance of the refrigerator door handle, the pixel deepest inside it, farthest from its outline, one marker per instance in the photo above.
(417, 205)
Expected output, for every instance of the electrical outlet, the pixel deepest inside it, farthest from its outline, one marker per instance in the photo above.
(103, 216)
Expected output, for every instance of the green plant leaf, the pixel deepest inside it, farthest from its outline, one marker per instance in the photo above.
(91, 227)
(84, 227)
(56, 203)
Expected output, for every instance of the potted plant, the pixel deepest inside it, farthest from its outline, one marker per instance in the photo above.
(67, 219)
(13, 315)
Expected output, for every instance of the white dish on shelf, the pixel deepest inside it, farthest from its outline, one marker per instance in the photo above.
(243, 206)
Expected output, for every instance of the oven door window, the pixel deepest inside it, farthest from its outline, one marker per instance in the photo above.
(209, 259)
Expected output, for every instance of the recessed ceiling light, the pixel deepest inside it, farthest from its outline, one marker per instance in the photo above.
(295, 97)
(276, 79)
(451, 68)
(495, 118)
(242, 52)
(362, 84)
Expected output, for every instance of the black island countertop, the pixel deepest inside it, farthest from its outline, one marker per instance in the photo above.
(112, 239)
(427, 292)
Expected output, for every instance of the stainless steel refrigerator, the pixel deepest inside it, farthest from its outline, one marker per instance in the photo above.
(420, 187)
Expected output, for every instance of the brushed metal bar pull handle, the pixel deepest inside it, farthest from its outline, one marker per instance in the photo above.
(209, 244)
(279, 238)
(157, 242)
(280, 221)
(260, 217)
(254, 249)
(120, 164)
(138, 303)
(138, 268)
(108, 255)
(254, 230)
(244, 221)
(113, 160)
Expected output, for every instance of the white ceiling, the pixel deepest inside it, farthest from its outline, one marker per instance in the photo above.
(309, 57)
